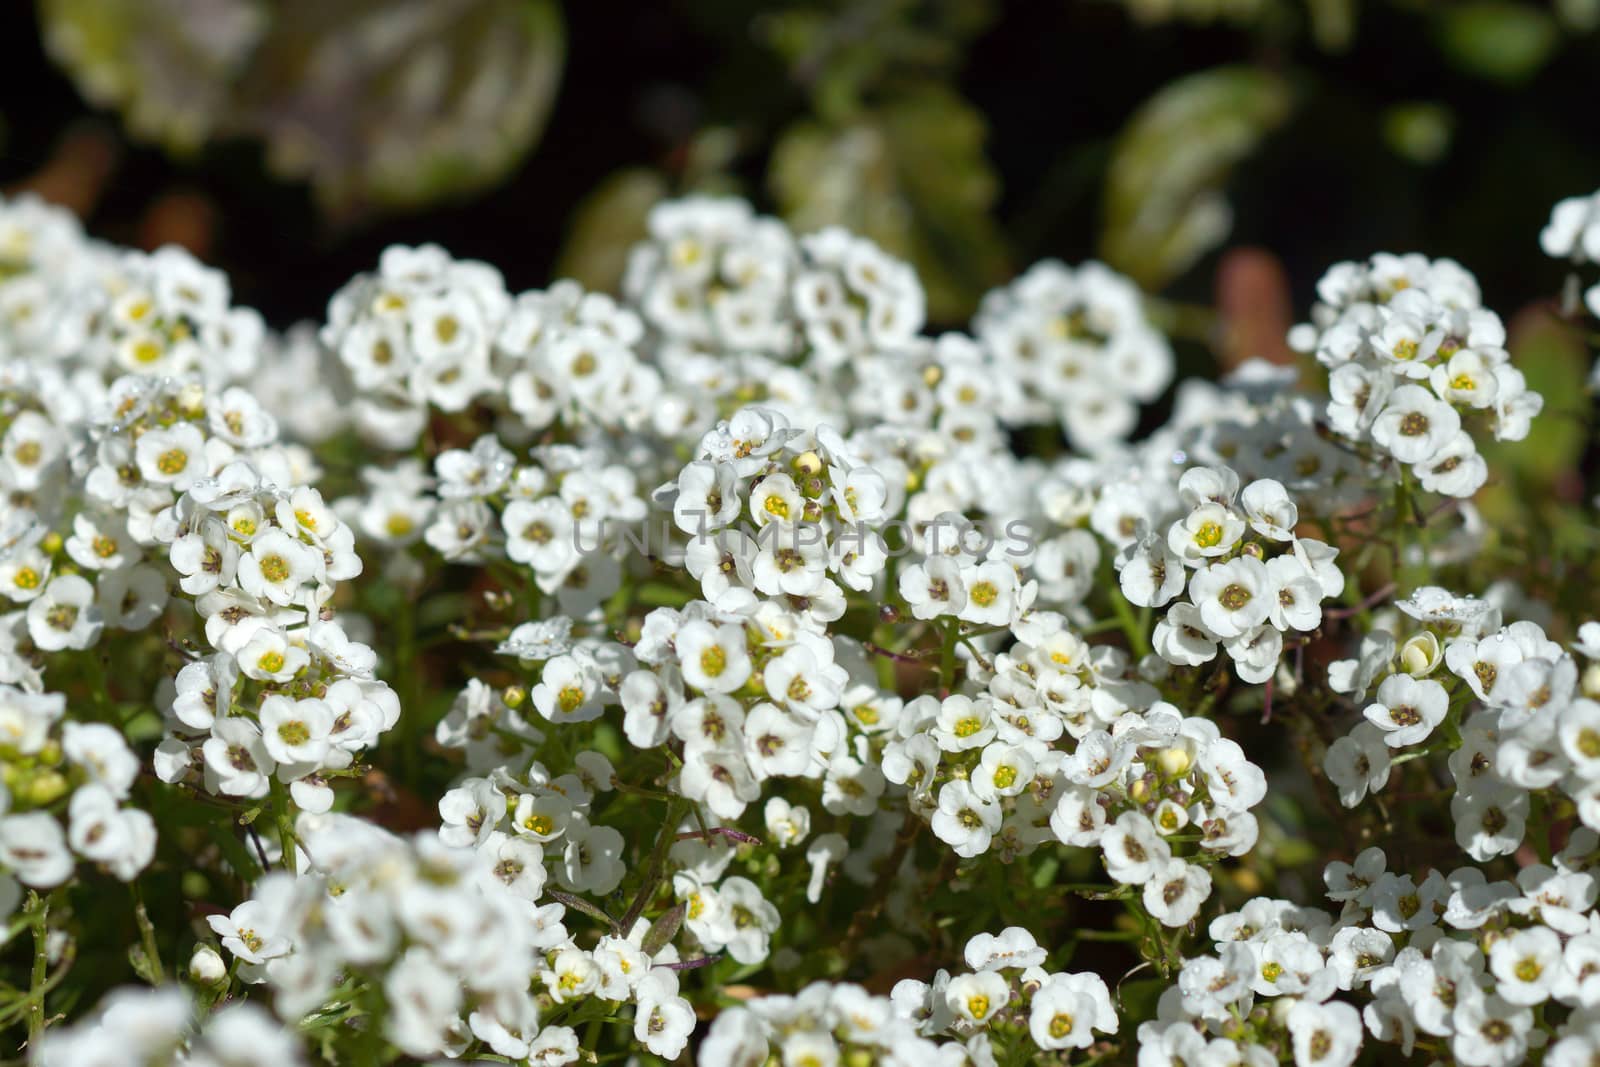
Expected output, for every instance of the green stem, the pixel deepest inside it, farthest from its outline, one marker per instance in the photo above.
(147, 933)
(39, 906)
(405, 684)
(285, 821)
(654, 868)
(1138, 642)
(947, 655)
(577, 903)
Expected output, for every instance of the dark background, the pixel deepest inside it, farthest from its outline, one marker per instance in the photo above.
(1055, 80)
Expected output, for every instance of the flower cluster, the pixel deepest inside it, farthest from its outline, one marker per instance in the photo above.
(1573, 234)
(1415, 362)
(95, 312)
(199, 479)
(156, 1027)
(728, 653)
(1079, 345)
(1248, 578)
(560, 513)
(453, 936)
(1007, 1004)
(1454, 959)
(1521, 718)
(52, 766)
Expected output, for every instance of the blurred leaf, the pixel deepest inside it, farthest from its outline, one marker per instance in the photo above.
(1579, 15)
(607, 223)
(1333, 23)
(168, 65)
(1497, 39)
(839, 55)
(911, 174)
(1552, 356)
(1164, 203)
(143, 966)
(1419, 131)
(403, 102)
(385, 102)
(1136, 999)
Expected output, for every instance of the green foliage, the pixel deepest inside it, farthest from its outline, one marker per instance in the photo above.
(912, 176)
(1164, 203)
(373, 103)
(1506, 42)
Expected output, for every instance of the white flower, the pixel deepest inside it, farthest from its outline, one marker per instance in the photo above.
(976, 998)
(65, 615)
(992, 591)
(1526, 965)
(1407, 709)
(237, 762)
(1234, 597)
(1414, 425)
(1175, 891)
(1490, 821)
(295, 731)
(33, 847)
(1181, 637)
(276, 567)
(1324, 1035)
(567, 691)
(965, 821)
(1271, 511)
(1297, 604)
(173, 456)
(1012, 947)
(663, 1021)
(714, 658)
(1357, 763)
(933, 588)
(787, 824)
(1152, 574)
(748, 920)
(1208, 531)
(1134, 851)
(1490, 1031)
(206, 967)
(251, 932)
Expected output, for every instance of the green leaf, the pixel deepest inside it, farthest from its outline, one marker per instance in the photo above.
(401, 103)
(142, 965)
(1553, 358)
(1495, 39)
(1333, 23)
(664, 929)
(607, 223)
(911, 174)
(1164, 202)
(168, 65)
(1419, 131)
(386, 103)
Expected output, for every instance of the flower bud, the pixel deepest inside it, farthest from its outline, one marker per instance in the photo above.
(46, 788)
(1421, 654)
(192, 399)
(514, 696)
(1174, 762)
(808, 464)
(1591, 681)
(206, 967)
